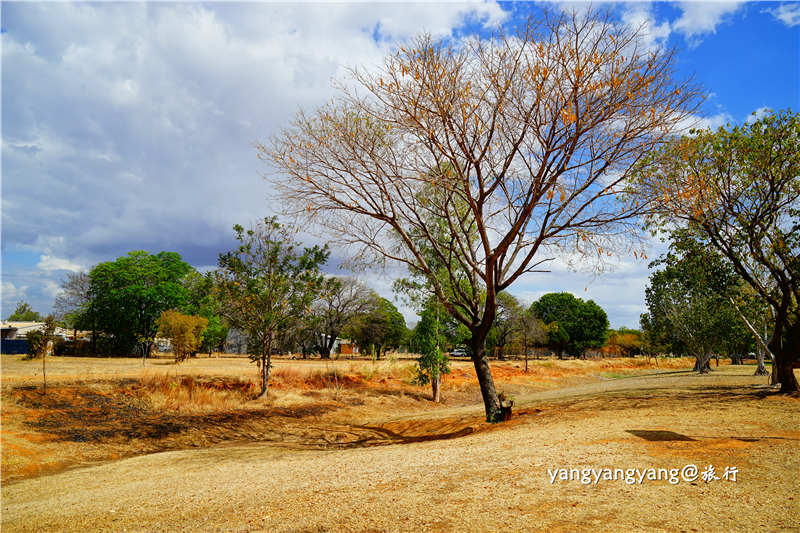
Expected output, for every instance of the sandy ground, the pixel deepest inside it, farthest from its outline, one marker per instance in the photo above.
(441, 469)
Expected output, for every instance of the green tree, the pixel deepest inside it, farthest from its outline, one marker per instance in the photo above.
(738, 190)
(580, 325)
(265, 284)
(201, 300)
(24, 313)
(426, 340)
(687, 299)
(557, 338)
(381, 328)
(185, 332)
(129, 294)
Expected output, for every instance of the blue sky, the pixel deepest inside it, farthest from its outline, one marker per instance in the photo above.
(131, 126)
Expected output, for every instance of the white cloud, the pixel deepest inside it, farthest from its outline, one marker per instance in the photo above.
(701, 18)
(788, 13)
(757, 114)
(640, 16)
(12, 294)
(133, 124)
(711, 122)
(51, 288)
(49, 262)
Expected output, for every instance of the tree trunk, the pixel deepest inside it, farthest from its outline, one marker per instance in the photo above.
(436, 387)
(44, 373)
(702, 364)
(761, 370)
(491, 403)
(526, 359)
(784, 359)
(266, 363)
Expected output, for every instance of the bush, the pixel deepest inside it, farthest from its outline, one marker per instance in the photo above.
(185, 332)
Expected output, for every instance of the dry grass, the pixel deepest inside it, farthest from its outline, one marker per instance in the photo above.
(119, 408)
(188, 394)
(346, 437)
(449, 471)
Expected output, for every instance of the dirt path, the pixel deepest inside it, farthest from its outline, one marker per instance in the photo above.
(485, 480)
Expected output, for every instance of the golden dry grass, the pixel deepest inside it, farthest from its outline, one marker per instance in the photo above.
(351, 446)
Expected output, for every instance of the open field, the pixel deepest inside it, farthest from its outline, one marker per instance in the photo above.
(354, 446)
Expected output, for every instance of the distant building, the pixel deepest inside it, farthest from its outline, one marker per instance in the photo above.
(236, 341)
(345, 347)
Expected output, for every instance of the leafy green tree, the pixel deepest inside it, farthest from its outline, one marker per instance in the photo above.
(432, 362)
(40, 344)
(201, 300)
(687, 299)
(557, 338)
(24, 313)
(185, 332)
(129, 294)
(265, 284)
(654, 340)
(738, 190)
(580, 325)
(381, 328)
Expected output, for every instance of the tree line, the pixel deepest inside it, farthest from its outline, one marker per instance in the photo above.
(272, 290)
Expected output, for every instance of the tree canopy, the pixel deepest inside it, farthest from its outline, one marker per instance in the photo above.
(129, 294)
(24, 313)
(533, 136)
(266, 283)
(382, 327)
(574, 325)
(340, 301)
(185, 332)
(738, 190)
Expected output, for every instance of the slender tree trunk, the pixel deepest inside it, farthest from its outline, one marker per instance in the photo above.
(491, 403)
(526, 358)
(44, 371)
(94, 334)
(436, 387)
(761, 370)
(266, 364)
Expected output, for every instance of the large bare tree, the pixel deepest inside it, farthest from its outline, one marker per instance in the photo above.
(520, 145)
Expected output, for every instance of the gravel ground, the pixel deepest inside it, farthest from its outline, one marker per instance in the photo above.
(491, 479)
